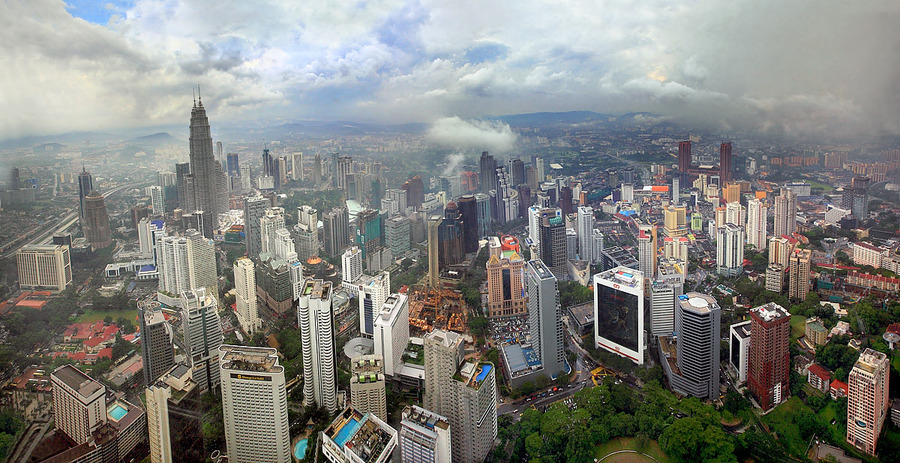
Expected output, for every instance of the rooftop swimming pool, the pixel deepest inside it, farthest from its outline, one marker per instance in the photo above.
(483, 374)
(300, 449)
(117, 412)
(346, 432)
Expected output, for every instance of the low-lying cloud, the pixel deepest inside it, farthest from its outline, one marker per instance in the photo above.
(477, 135)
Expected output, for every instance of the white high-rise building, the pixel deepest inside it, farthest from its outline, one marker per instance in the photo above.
(584, 227)
(351, 264)
(534, 225)
(269, 223)
(245, 291)
(730, 250)
(156, 200)
(868, 400)
(676, 248)
(282, 246)
(79, 403)
(202, 329)
(735, 213)
(297, 166)
(44, 267)
(662, 308)
(596, 246)
(473, 417)
(424, 436)
(646, 252)
(306, 233)
(254, 405)
(676, 191)
(148, 233)
(392, 331)
(357, 437)
(697, 325)
(316, 321)
(756, 224)
(443, 354)
(372, 292)
(367, 390)
(785, 213)
(619, 312)
(545, 317)
(185, 263)
(173, 387)
(739, 349)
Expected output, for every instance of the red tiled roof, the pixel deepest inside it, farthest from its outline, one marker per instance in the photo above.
(839, 385)
(822, 373)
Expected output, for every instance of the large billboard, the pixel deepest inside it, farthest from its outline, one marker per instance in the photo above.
(618, 317)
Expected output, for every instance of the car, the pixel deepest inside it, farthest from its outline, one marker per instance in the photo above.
(528, 399)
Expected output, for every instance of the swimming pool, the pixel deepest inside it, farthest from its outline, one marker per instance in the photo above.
(346, 432)
(485, 369)
(117, 412)
(300, 449)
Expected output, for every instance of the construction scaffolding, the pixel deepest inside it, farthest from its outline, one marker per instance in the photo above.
(440, 308)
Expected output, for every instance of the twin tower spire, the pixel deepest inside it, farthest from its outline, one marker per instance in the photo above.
(198, 100)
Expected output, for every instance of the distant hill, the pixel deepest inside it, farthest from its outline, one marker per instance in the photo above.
(551, 118)
(160, 138)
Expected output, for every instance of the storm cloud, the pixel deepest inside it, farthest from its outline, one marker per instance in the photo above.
(800, 69)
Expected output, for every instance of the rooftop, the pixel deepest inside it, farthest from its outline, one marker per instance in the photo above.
(623, 276)
(770, 311)
(697, 302)
(362, 434)
(77, 380)
(256, 359)
(473, 373)
(425, 418)
(317, 289)
(742, 329)
(583, 313)
(540, 269)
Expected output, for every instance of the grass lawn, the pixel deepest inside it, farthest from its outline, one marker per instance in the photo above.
(816, 184)
(91, 316)
(798, 327)
(630, 443)
(780, 422)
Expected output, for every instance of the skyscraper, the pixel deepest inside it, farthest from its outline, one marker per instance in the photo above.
(730, 250)
(96, 221)
(157, 348)
(552, 245)
(336, 231)
(392, 331)
(468, 210)
(342, 168)
(684, 158)
(444, 350)
(488, 172)
(473, 416)
(173, 417)
(254, 405)
(79, 403)
(297, 166)
(483, 206)
(184, 186)
(44, 266)
(785, 213)
(619, 312)
(369, 231)
(506, 295)
(756, 223)
(397, 234)
(868, 401)
(647, 251)
(697, 325)
(351, 264)
(156, 200)
(770, 361)
(202, 336)
(315, 318)
(209, 182)
(185, 263)
(735, 213)
(254, 209)
(372, 294)
(424, 436)
(725, 168)
(584, 226)
(662, 308)
(271, 221)
(798, 278)
(434, 262)
(306, 233)
(245, 295)
(451, 250)
(367, 390)
(233, 164)
(85, 186)
(545, 318)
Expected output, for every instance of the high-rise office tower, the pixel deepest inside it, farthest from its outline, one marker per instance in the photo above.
(473, 417)
(79, 403)
(245, 295)
(505, 285)
(735, 213)
(316, 321)
(254, 405)
(856, 198)
(186, 263)
(756, 223)
(619, 312)
(85, 186)
(306, 233)
(584, 226)
(676, 191)
(770, 360)
(697, 325)
(317, 169)
(233, 164)
(434, 262)
(209, 185)
(483, 207)
(342, 168)
(517, 172)
(739, 349)
(552, 245)
(675, 221)
(684, 158)
(392, 331)
(488, 169)
(254, 209)
(725, 168)
(443, 354)
(96, 221)
(271, 221)
(798, 278)
(424, 436)
(297, 166)
(868, 400)
(372, 294)
(468, 210)
(336, 230)
(397, 234)
(268, 163)
(184, 183)
(785, 213)
(44, 266)
(415, 192)
(730, 250)
(351, 264)
(173, 417)
(369, 231)
(202, 336)
(157, 348)
(565, 200)
(367, 391)
(647, 251)
(662, 308)
(451, 250)
(545, 318)
(597, 246)
(156, 200)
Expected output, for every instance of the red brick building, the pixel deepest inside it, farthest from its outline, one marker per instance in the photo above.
(769, 361)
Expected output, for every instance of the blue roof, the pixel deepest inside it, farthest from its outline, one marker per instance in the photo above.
(158, 223)
(147, 268)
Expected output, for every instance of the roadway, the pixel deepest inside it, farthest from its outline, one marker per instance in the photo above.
(63, 224)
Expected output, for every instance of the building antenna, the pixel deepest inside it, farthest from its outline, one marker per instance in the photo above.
(194, 96)
(199, 97)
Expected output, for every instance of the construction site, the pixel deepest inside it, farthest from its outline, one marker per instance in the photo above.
(441, 308)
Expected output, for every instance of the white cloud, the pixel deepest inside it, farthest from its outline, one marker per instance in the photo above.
(456, 133)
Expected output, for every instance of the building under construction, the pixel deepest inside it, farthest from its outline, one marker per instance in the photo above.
(440, 308)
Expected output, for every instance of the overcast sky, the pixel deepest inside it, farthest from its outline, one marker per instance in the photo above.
(801, 68)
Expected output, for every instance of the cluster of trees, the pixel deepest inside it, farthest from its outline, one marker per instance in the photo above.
(10, 425)
(571, 293)
(685, 428)
(837, 356)
(291, 347)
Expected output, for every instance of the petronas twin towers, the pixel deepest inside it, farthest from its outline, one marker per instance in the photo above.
(209, 189)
